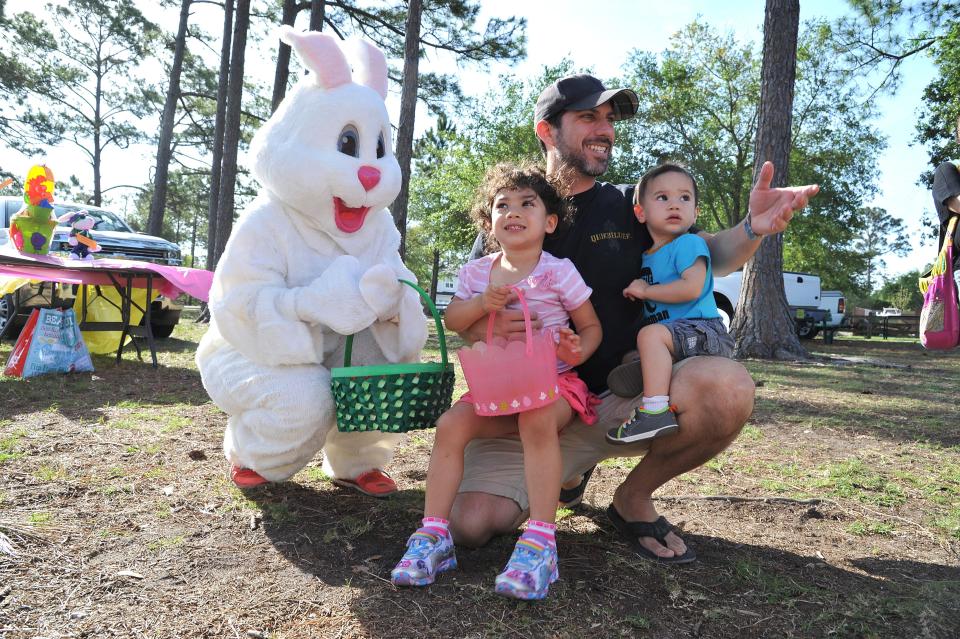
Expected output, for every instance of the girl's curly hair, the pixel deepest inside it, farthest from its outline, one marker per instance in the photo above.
(512, 176)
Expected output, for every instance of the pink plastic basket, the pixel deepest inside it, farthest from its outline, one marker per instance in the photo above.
(511, 377)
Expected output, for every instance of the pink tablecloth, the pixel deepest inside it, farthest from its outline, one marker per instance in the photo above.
(172, 281)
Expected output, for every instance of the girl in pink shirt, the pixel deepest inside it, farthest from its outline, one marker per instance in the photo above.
(518, 206)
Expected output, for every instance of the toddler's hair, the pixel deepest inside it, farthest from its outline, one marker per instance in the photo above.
(660, 169)
(512, 176)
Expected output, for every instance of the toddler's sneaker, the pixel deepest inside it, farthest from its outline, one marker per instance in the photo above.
(428, 554)
(531, 569)
(643, 424)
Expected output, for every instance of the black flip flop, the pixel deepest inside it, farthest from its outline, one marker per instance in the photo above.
(634, 530)
(571, 497)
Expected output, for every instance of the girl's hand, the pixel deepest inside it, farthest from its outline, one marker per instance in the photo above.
(637, 290)
(496, 298)
(568, 348)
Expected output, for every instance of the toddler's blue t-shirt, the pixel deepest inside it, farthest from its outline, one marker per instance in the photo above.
(664, 266)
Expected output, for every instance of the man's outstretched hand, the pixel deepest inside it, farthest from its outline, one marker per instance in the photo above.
(771, 209)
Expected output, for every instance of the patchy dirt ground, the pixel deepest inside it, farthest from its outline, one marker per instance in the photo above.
(836, 513)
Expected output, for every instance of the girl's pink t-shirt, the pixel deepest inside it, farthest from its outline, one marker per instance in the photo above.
(552, 290)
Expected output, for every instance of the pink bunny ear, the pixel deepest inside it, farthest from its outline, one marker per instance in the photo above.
(371, 66)
(320, 54)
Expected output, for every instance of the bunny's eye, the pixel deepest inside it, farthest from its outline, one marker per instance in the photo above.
(349, 141)
(381, 151)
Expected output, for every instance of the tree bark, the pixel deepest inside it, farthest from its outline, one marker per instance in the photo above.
(193, 241)
(763, 323)
(434, 275)
(231, 138)
(408, 112)
(164, 148)
(216, 164)
(97, 148)
(317, 11)
(282, 74)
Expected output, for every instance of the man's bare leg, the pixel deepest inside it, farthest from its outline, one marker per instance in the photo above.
(714, 399)
(478, 517)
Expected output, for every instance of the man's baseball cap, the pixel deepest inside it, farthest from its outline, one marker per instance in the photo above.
(582, 92)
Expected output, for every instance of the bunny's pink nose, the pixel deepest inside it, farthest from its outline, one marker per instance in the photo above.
(369, 177)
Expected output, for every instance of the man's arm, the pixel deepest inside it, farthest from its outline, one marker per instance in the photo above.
(770, 211)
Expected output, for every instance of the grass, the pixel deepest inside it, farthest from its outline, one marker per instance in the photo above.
(10, 443)
(855, 479)
(835, 513)
(166, 543)
(863, 528)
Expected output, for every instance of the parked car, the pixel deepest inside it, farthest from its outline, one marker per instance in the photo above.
(890, 311)
(803, 298)
(116, 239)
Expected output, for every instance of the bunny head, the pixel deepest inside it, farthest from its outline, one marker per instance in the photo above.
(78, 220)
(326, 151)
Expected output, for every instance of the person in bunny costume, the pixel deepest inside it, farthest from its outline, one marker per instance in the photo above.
(312, 260)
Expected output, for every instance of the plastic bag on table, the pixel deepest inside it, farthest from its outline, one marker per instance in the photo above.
(105, 307)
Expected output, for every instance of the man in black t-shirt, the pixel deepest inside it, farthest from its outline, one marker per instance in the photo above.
(713, 396)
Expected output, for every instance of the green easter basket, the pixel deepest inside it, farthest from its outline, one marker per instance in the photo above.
(393, 398)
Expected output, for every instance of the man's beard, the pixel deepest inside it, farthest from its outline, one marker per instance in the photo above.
(575, 160)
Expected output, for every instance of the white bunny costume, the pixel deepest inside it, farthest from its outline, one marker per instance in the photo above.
(313, 259)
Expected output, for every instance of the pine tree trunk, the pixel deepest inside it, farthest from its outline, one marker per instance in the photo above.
(97, 148)
(434, 276)
(763, 324)
(408, 112)
(193, 240)
(282, 74)
(164, 148)
(317, 10)
(216, 164)
(231, 138)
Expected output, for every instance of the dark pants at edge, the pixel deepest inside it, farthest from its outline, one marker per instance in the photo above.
(946, 184)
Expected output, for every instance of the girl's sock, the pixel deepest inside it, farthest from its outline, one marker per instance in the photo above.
(436, 525)
(543, 529)
(656, 403)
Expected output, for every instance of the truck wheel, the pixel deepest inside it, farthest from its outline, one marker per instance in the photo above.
(163, 331)
(6, 314)
(726, 312)
(807, 330)
(160, 331)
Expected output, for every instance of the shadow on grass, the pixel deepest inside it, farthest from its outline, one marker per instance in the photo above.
(913, 401)
(734, 590)
(76, 395)
(929, 425)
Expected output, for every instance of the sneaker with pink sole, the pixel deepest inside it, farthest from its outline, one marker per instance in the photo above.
(531, 569)
(428, 554)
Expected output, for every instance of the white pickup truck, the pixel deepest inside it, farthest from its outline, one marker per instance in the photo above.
(809, 308)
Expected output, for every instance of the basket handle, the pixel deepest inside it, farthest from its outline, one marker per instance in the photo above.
(348, 348)
(528, 329)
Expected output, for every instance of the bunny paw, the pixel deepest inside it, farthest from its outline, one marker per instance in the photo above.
(382, 291)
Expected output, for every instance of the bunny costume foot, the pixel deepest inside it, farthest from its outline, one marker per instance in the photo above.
(312, 260)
